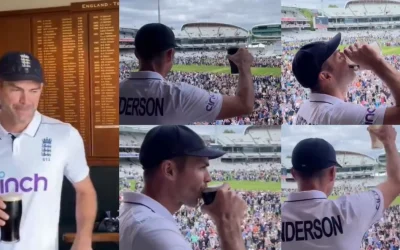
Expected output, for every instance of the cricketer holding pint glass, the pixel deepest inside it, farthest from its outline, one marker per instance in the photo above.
(175, 161)
(328, 73)
(146, 97)
(310, 221)
(36, 152)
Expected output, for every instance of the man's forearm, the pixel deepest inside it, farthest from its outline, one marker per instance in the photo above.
(392, 163)
(246, 88)
(389, 75)
(230, 236)
(86, 210)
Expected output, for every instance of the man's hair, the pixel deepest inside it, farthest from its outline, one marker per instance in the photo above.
(149, 171)
(312, 175)
(149, 57)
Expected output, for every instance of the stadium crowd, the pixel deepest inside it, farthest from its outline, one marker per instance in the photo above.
(261, 227)
(366, 90)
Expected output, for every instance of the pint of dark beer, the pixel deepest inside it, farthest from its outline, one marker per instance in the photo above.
(10, 232)
(209, 194)
(234, 67)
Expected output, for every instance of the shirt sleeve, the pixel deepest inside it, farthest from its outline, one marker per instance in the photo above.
(199, 105)
(364, 208)
(76, 168)
(351, 114)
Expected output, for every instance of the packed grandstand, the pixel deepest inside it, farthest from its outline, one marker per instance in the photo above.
(201, 60)
(358, 21)
(359, 173)
(251, 166)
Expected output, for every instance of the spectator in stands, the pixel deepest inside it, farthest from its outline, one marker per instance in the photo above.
(147, 98)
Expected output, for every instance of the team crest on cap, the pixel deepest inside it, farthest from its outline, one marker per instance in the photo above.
(26, 62)
(46, 149)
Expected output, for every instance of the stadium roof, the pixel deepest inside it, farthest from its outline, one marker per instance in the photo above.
(268, 24)
(212, 24)
(128, 30)
(370, 1)
(257, 127)
(353, 153)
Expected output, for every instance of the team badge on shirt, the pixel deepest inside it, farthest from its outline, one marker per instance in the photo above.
(46, 149)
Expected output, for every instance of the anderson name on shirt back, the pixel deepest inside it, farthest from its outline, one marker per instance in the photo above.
(310, 221)
(146, 98)
(324, 109)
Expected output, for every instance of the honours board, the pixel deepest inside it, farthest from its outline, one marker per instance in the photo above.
(78, 47)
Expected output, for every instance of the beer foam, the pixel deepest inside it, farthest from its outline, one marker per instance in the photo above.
(212, 188)
(9, 197)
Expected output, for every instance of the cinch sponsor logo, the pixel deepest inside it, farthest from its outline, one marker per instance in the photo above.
(27, 184)
(369, 117)
(211, 102)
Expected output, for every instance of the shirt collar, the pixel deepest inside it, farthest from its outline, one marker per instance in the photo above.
(146, 74)
(314, 97)
(147, 201)
(32, 127)
(306, 195)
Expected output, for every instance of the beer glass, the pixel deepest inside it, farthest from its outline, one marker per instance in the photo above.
(375, 46)
(10, 231)
(375, 142)
(234, 68)
(209, 194)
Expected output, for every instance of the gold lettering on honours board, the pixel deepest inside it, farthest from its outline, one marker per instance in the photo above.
(99, 5)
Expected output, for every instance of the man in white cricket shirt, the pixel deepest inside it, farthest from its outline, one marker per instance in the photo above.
(310, 221)
(146, 98)
(175, 161)
(35, 153)
(322, 68)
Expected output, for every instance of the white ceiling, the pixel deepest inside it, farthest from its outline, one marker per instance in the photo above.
(6, 5)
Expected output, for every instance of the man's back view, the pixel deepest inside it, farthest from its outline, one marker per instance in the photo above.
(311, 221)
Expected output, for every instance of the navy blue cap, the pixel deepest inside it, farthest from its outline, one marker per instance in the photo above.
(313, 154)
(153, 38)
(20, 66)
(309, 59)
(166, 142)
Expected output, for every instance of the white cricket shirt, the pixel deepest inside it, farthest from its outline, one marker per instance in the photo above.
(310, 221)
(34, 164)
(324, 109)
(146, 224)
(146, 98)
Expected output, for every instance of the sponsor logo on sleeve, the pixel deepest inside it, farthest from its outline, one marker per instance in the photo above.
(369, 116)
(211, 102)
(377, 199)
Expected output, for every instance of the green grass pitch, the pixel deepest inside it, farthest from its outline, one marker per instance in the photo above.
(386, 51)
(223, 70)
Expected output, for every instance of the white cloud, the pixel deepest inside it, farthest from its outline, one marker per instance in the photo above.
(175, 13)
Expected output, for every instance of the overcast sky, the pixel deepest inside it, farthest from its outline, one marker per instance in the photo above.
(349, 138)
(313, 4)
(175, 13)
